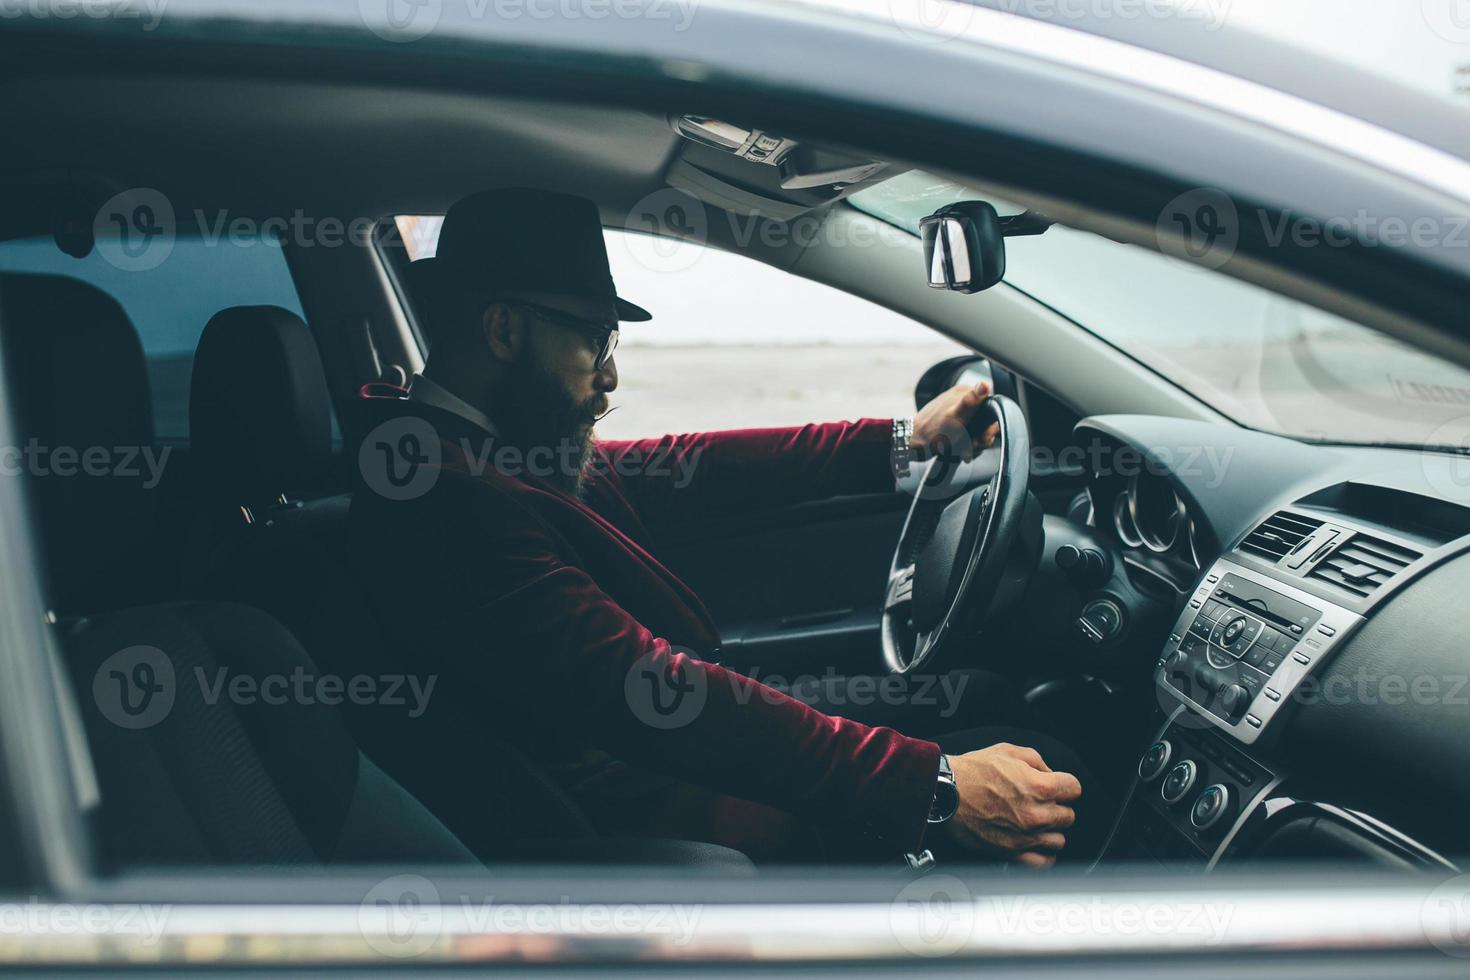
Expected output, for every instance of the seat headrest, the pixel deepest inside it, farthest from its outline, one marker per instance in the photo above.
(79, 385)
(260, 417)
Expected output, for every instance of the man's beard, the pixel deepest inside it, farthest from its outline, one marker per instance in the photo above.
(534, 412)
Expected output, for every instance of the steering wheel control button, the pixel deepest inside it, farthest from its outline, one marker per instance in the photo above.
(1179, 782)
(1210, 807)
(1155, 760)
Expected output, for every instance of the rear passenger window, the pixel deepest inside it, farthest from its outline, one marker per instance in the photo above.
(170, 304)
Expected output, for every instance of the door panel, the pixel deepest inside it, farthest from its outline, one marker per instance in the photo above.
(796, 588)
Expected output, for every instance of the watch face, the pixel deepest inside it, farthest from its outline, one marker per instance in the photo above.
(946, 802)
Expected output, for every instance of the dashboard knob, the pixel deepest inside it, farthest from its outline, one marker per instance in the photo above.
(1068, 557)
(1155, 760)
(1234, 699)
(1210, 808)
(1207, 679)
(1179, 781)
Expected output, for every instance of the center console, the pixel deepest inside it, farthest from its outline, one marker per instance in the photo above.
(1243, 644)
(1239, 651)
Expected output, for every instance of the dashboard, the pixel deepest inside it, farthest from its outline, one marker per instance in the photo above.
(1313, 684)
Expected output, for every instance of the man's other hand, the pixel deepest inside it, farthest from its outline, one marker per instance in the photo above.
(1010, 800)
(941, 427)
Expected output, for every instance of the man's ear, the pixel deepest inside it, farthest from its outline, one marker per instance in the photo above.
(505, 333)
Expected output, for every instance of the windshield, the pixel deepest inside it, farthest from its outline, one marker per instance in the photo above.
(1266, 361)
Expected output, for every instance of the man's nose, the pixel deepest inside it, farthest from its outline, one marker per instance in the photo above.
(607, 377)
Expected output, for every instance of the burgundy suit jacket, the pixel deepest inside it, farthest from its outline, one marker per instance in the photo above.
(538, 606)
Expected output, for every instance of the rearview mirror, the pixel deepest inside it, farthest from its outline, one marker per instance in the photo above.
(964, 249)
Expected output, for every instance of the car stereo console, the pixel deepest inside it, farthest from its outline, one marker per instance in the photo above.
(1243, 644)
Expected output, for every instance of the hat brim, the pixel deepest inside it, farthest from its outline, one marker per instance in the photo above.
(427, 276)
(631, 313)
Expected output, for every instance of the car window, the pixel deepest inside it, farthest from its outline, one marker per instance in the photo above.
(170, 303)
(735, 343)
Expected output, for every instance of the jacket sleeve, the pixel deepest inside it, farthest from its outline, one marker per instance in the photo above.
(528, 621)
(674, 478)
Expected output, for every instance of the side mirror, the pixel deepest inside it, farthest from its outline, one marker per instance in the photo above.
(964, 249)
(964, 244)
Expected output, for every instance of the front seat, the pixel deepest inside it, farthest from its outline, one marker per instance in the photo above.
(259, 418)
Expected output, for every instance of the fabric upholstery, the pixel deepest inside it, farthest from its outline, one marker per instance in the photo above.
(78, 382)
(259, 412)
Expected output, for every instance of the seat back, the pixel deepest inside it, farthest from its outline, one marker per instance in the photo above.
(291, 560)
(78, 382)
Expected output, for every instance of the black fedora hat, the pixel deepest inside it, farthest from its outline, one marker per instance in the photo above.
(527, 245)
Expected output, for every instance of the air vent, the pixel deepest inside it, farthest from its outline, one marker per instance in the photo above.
(1278, 535)
(1363, 564)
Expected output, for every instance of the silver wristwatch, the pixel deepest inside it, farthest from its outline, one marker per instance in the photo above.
(902, 449)
(946, 793)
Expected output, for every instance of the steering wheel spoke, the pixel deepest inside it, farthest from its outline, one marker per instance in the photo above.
(900, 589)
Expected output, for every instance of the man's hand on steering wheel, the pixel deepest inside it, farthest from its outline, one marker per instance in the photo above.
(941, 427)
(1011, 800)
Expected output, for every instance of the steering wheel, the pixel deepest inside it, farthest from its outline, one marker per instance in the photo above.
(955, 554)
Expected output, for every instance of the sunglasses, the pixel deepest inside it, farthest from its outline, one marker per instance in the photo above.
(605, 335)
